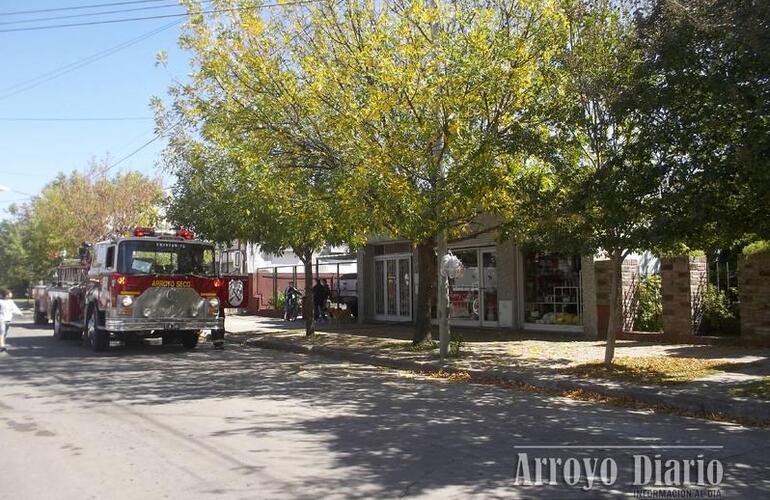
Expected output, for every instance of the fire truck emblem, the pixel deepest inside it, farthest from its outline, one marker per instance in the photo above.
(235, 291)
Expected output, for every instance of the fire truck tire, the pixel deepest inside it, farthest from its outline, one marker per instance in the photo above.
(218, 339)
(190, 339)
(96, 338)
(40, 317)
(59, 332)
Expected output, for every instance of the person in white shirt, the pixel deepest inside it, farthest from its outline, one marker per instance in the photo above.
(7, 309)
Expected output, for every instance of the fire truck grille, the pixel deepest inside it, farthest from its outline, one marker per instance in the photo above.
(169, 303)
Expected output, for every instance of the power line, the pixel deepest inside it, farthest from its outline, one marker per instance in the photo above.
(164, 16)
(137, 150)
(77, 7)
(75, 119)
(91, 14)
(63, 70)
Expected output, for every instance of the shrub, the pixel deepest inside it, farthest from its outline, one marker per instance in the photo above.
(681, 249)
(649, 316)
(456, 344)
(756, 247)
(280, 303)
(719, 316)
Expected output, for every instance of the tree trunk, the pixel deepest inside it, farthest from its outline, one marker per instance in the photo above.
(426, 290)
(615, 319)
(307, 297)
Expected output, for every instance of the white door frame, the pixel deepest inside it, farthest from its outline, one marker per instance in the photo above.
(480, 250)
(397, 258)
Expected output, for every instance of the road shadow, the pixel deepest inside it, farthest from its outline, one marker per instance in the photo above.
(385, 433)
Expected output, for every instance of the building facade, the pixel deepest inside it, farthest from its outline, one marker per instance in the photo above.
(503, 286)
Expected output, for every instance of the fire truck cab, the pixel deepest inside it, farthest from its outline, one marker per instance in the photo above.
(152, 285)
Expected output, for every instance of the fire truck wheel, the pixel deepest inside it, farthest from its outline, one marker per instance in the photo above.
(190, 339)
(58, 328)
(40, 317)
(98, 339)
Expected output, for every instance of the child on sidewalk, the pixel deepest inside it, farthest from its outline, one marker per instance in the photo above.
(7, 309)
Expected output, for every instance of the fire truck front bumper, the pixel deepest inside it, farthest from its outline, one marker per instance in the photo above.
(144, 324)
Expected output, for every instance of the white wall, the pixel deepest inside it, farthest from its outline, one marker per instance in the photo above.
(256, 258)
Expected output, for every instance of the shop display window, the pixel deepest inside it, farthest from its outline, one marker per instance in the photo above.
(552, 289)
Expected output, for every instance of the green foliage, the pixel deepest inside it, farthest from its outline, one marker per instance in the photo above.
(337, 120)
(597, 192)
(680, 249)
(71, 209)
(719, 316)
(649, 317)
(703, 105)
(456, 344)
(280, 303)
(86, 207)
(756, 247)
(14, 269)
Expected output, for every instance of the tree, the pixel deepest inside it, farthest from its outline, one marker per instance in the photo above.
(82, 207)
(257, 158)
(399, 108)
(598, 193)
(705, 99)
(227, 192)
(14, 269)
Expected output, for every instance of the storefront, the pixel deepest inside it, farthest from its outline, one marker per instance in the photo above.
(552, 292)
(501, 286)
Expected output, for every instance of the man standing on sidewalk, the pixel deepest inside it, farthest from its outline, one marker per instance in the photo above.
(318, 297)
(7, 309)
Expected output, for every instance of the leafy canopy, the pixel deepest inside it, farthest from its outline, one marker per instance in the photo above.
(402, 116)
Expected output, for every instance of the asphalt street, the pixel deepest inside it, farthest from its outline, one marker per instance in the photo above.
(161, 422)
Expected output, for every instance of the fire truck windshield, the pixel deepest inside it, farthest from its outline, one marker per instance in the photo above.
(165, 257)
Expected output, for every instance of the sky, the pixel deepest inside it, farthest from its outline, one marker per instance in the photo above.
(38, 138)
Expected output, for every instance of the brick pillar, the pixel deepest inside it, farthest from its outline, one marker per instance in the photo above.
(588, 282)
(754, 294)
(683, 283)
(629, 289)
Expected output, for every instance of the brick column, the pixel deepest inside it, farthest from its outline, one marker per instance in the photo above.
(683, 283)
(629, 289)
(587, 269)
(754, 294)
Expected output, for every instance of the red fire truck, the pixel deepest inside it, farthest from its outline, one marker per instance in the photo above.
(147, 285)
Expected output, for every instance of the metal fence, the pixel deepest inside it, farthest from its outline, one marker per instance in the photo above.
(269, 283)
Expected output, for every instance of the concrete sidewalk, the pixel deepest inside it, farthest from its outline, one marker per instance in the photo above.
(538, 364)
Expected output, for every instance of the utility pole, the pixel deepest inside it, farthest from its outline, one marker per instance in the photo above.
(442, 303)
(443, 297)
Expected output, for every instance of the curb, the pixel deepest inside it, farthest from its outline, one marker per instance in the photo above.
(756, 412)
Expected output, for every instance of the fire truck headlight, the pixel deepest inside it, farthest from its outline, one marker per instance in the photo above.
(126, 301)
(214, 302)
(147, 311)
